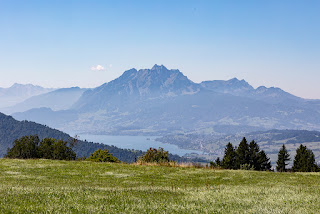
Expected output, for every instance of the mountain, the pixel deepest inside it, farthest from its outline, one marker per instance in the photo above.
(60, 99)
(160, 101)
(19, 92)
(133, 85)
(242, 88)
(233, 86)
(48, 117)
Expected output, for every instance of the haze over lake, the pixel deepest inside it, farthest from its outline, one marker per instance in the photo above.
(136, 142)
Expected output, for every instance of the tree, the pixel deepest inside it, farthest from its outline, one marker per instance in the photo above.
(155, 155)
(218, 162)
(46, 148)
(62, 152)
(102, 156)
(242, 156)
(229, 158)
(49, 148)
(24, 147)
(283, 157)
(304, 160)
(264, 163)
(253, 155)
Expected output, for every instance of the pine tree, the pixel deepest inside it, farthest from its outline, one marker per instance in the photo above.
(264, 163)
(242, 156)
(218, 162)
(229, 158)
(283, 157)
(253, 155)
(304, 161)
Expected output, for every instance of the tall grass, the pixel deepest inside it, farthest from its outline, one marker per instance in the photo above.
(47, 186)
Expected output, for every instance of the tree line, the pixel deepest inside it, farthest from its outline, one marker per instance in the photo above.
(249, 156)
(30, 147)
(245, 156)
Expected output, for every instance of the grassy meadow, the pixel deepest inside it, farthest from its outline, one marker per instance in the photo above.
(48, 186)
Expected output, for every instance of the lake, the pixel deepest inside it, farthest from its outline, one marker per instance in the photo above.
(136, 142)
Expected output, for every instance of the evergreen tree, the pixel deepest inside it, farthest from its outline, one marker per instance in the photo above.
(242, 156)
(283, 157)
(304, 161)
(218, 162)
(229, 158)
(264, 163)
(253, 155)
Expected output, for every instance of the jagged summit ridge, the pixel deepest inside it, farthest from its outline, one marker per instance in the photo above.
(140, 84)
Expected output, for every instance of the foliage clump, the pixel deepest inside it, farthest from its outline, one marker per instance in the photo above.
(304, 161)
(102, 156)
(283, 158)
(154, 155)
(29, 147)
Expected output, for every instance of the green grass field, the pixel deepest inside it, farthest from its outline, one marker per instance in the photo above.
(47, 186)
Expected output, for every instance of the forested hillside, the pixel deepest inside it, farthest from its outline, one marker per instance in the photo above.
(11, 129)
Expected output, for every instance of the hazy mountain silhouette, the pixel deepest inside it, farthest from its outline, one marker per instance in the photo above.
(19, 92)
(160, 101)
(60, 99)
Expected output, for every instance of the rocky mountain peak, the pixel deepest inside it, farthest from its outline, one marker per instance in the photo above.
(158, 68)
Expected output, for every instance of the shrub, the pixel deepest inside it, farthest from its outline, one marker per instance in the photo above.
(155, 156)
(102, 156)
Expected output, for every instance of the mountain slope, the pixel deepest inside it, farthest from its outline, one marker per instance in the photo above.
(135, 85)
(242, 88)
(60, 99)
(11, 129)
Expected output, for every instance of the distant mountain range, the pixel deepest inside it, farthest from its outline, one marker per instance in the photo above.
(19, 92)
(60, 99)
(159, 101)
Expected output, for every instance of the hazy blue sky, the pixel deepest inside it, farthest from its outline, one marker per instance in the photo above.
(57, 43)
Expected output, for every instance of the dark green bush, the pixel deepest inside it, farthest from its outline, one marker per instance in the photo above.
(49, 148)
(102, 156)
(155, 156)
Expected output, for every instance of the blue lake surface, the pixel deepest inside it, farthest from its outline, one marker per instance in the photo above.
(136, 142)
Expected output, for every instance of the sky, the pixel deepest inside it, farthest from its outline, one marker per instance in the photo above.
(87, 43)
